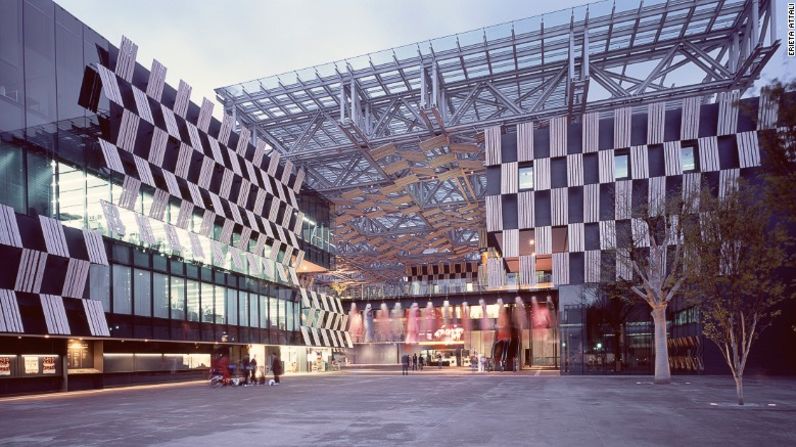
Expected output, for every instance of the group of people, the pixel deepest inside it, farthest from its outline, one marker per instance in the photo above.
(414, 362)
(246, 371)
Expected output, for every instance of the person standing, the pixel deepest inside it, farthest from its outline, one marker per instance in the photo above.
(414, 362)
(276, 367)
(439, 361)
(246, 370)
(253, 368)
(405, 365)
(420, 359)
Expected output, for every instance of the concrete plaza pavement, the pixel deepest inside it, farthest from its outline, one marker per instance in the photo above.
(368, 408)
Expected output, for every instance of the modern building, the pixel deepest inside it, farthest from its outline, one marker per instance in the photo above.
(140, 235)
(474, 169)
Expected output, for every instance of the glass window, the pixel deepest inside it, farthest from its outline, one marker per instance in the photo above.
(219, 305)
(253, 307)
(122, 280)
(99, 282)
(263, 315)
(274, 312)
(177, 298)
(687, 159)
(232, 306)
(96, 189)
(526, 177)
(244, 308)
(143, 284)
(71, 195)
(621, 166)
(192, 300)
(290, 316)
(39, 64)
(12, 178)
(282, 319)
(207, 303)
(40, 184)
(11, 90)
(160, 293)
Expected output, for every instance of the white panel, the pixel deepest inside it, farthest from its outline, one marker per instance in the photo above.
(75, 279)
(130, 192)
(205, 114)
(525, 209)
(622, 127)
(171, 122)
(96, 318)
(591, 203)
(183, 98)
(607, 234)
(544, 240)
(158, 148)
(691, 186)
(492, 136)
(558, 136)
(227, 123)
(560, 268)
(639, 162)
(728, 112)
(9, 229)
(541, 174)
(592, 264)
(494, 213)
(623, 204)
(671, 157)
(509, 173)
(528, 270)
(656, 201)
(10, 318)
(767, 112)
(748, 149)
(575, 169)
(111, 155)
(157, 80)
(575, 237)
(95, 247)
(110, 85)
(525, 141)
(142, 104)
(689, 128)
(511, 242)
(125, 59)
(708, 154)
(54, 237)
(55, 314)
(655, 122)
(607, 169)
(144, 171)
(591, 132)
(728, 181)
(559, 206)
(640, 233)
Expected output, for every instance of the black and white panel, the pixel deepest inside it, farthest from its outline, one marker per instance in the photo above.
(55, 314)
(525, 142)
(492, 137)
(10, 319)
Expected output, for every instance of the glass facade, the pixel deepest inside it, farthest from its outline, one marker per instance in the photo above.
(51, 165)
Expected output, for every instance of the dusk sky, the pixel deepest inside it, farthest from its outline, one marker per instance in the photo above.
(212, 44)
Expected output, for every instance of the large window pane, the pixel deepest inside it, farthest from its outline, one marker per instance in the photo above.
(160, 293)
(232, 306)
(177, 298)
(282, 315)
(71, 195)
(39, 63)
(12, 178)
(40, 184)
(274, 312)
(192, 300)
(687, 159)
(143, 284)
(207, 303)
(96, 189)
(12, 116)
(122, 280)
(263, 315)
(621, 166)
(289, 315)
(253, 310)
(244, 308)
(219, 300)
(526, 177)
(99, 285)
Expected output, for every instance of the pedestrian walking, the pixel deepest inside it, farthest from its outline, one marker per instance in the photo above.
(420, 359)
(405, 365)
(276, 367)
(414, 362)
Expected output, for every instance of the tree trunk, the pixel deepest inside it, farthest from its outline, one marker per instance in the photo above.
(739, 389)
(662, 372)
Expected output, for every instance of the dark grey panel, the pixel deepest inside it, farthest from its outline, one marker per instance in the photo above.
(575, 138)
(558, 172)
(493, 180)
(607, 204)
(728, 152)
(542, 208)
(591, 236)
(671, 125)
(708, 120)
(509, 211)
(638, 129)
(541, 142)
(655, 158)
(575, 204)
(576, 268)
(508, 147)
(591, 168)
(606, 137)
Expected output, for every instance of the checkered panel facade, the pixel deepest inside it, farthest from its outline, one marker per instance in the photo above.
(156, 139)
(323, 321)
(590, 174)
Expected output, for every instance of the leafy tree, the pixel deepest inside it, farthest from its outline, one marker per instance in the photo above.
(735, 252)
(778, 149)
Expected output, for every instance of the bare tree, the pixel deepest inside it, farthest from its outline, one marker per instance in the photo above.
(649, 259)
(735, 251)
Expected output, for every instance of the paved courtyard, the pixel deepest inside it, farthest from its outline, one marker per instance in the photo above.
(440, 409)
